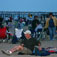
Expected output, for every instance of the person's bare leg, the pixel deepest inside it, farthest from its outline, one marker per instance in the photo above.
(16, 48)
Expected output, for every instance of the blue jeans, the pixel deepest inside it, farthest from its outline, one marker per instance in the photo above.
(52, 32)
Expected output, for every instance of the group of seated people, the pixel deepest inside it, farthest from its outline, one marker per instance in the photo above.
(18, 31)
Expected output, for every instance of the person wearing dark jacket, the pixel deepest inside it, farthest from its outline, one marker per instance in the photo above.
(27, 45)
(34, 22)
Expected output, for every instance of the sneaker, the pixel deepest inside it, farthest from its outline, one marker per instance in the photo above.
(6, 52)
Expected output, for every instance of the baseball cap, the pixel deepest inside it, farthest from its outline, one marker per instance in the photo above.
(27, 32)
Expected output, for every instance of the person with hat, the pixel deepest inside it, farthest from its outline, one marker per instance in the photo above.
(26, 47)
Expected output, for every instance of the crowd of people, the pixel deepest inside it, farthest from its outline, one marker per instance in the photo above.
(29, 40)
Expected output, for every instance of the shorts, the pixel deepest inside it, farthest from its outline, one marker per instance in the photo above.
(26, 51)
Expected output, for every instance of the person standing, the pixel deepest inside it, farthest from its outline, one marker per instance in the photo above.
(51, 25)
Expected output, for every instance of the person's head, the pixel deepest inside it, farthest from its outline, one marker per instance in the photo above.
(27, 34)
(50, 14)
(35, 17)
